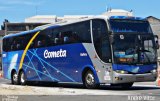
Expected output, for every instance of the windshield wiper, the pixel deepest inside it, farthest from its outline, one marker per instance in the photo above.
(147, 57)
(144, 50)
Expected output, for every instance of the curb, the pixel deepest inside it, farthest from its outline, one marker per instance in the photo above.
(158, 78)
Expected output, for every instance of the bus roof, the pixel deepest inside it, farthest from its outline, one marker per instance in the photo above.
(49, 26)
(127, 17)
(89, 18)
(20, 33)
(71, 22)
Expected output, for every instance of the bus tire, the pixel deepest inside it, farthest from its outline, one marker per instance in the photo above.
(14, 78)
(22, 78)
(89, 80)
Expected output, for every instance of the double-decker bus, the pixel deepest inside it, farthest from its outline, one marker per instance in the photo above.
(116, 50)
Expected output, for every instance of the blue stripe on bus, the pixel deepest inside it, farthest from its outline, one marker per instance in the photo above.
(62, 69)
(134, 68)
(52, 67)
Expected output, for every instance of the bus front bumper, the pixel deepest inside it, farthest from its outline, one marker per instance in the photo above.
(126, 78)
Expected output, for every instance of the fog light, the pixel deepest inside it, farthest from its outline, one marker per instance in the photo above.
(154, 71)
(116, 78)
(121, 71)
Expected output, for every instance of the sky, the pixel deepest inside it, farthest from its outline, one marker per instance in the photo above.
(18, 10)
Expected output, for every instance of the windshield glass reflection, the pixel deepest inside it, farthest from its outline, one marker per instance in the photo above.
(134, 49)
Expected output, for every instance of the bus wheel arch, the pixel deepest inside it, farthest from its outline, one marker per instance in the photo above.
(90, 73)
(14, 77)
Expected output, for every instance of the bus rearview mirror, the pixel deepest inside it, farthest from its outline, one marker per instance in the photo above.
(157, 45)
(156, 41)
(110, 32)
(111, 39)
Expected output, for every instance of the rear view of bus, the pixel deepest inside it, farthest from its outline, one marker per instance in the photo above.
(134, 49)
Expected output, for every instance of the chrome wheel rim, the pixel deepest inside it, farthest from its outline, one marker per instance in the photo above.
(15, 77)
(90, 79)
(22, 78)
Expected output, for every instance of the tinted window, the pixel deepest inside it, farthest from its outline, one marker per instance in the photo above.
(17, 42)
(5, 45)
(130, 26)
(101, 40)
(76, 33)
(73, 33)
(82, 31)
(43, 39)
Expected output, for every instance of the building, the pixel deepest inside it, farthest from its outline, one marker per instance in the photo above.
(155, 25)
(11, 28)
(74, 17)
(42, 19)
(1, 35)
(118, 12)
(54, 18)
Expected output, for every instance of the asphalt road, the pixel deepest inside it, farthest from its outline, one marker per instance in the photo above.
(75, 92)
(76, 98)
(4, 81)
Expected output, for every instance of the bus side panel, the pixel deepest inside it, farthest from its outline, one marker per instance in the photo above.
(30, 66)
(5, 65)
(104, 73)
(60, 63)
(12, 62)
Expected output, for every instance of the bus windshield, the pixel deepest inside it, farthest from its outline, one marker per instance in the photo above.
(119, 25)
(134, 49)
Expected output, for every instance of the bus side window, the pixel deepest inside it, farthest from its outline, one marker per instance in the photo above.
(56, 36)
(32, 44)
(75, 38)
(39, 43)
(56, 41)
(13, 46)
(101, 40)
(18, 46)
(60, 37)
(67, 37)
(6, 45)
(82, 32)
(19, 43)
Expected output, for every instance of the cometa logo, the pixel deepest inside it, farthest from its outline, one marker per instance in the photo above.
(55, 54)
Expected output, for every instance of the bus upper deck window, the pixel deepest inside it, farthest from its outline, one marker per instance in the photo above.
(66, 39)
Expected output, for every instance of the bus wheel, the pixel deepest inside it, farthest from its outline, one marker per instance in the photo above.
(14, 78)
(89, 80)
(22, 78)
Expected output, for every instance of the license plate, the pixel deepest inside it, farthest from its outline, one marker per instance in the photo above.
(140, 78)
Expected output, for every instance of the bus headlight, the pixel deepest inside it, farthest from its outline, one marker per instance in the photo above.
(154, 71)
(121, 71)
